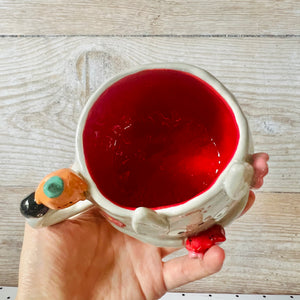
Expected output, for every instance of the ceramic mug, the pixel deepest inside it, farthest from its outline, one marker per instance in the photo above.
(162, 149)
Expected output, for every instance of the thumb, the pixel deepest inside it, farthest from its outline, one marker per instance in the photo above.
(182, 270)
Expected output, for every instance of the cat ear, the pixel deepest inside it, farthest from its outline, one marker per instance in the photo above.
(238, 181)
(148, 222)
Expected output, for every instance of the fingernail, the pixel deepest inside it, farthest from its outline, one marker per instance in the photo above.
(195, 255)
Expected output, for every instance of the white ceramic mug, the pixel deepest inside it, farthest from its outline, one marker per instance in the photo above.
(168, 225)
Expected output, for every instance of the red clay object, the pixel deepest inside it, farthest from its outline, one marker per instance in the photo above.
(200, 243)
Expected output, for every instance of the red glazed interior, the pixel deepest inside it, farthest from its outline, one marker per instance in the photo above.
(158, 138)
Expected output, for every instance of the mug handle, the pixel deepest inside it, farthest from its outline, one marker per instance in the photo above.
(60, 195)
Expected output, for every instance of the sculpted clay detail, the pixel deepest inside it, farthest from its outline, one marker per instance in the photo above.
(197, 245)
(61, 189)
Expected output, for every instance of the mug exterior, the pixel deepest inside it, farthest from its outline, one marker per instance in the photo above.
(169, 226)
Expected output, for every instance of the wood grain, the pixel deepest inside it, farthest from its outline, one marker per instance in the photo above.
(54, 54)
(262, 247)
(156, 17)
(45, 82)
(262, 250)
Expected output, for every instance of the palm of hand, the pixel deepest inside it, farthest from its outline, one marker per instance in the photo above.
(86, 258)
(110, 264)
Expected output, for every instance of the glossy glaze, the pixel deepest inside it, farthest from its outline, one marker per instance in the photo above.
(158, 138)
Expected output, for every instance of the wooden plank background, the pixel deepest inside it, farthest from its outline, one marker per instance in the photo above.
(46, 81)
(53, 56)
(155, 17)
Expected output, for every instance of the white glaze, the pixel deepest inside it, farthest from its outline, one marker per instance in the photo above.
(222, 203)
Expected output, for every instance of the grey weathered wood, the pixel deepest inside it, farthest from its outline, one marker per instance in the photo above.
(156, 17)
(262, 250)
(45, 82)
(262, 247)
(251, 46)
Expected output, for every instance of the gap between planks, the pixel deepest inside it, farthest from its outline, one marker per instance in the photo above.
(154, 35)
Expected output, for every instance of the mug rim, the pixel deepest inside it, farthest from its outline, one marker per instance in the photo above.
(198, 200)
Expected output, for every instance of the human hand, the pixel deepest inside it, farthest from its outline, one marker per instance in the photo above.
(86, 258)
(260, 166)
